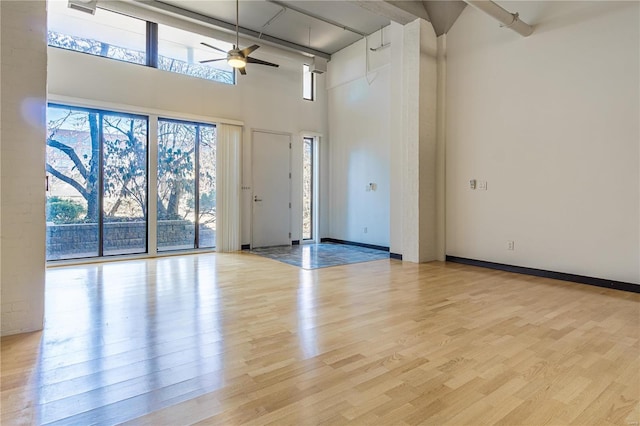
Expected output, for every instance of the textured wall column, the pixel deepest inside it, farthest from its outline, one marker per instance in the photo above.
(396, 155)
(441, 160)
(419, 95)
(23, 84)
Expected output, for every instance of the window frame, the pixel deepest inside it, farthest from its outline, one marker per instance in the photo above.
(151, 49)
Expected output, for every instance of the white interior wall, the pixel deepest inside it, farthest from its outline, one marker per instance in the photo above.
(359, 121)
(551, 123)
(23, 61)
(265, 98)
(0, 170)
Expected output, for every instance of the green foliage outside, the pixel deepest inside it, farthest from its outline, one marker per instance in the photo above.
(83, 146)
(208, 201)
(62, 211)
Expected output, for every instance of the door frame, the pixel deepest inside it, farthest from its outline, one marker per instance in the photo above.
(272, 132)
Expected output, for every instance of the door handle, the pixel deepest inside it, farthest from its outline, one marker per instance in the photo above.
(255, 198)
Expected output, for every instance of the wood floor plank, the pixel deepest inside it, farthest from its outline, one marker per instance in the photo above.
(239, 339)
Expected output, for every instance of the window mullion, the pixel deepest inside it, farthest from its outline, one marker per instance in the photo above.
(197, 189)
(100, 179)
(152, 186)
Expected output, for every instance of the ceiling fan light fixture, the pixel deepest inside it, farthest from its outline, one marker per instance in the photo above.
(236, 58)
(237, 61)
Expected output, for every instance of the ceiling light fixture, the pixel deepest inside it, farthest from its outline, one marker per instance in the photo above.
(235, 59)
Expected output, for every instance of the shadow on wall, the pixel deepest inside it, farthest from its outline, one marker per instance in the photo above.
(551, 16)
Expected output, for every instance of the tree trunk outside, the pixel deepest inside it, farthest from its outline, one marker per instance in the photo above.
(93, 178)
(173, 204)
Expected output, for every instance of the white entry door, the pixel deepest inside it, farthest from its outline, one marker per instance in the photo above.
(271, 201)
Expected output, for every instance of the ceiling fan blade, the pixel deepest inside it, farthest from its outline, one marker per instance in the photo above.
(213, 47)
(243, 71)
(212, 60)
(247, 50)
(258, 61)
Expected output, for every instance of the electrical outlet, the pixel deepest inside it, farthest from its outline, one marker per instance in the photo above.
(365, 230)
(482, 184)
(511, 245)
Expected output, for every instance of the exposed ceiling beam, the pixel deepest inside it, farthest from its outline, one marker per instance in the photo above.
(401, 12)
(231, 27)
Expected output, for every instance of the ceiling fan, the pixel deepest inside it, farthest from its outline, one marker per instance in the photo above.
(238, 58)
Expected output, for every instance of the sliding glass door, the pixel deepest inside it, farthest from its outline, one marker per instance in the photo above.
(73, 173)
(207, 187)
(96, 183)
(124, 202)
(186, 185)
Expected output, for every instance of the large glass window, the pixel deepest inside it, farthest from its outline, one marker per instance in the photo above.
(186, 167)
(97, 180)
(73, 199)
(307, 188)
(181, 52)
(117, 36)
(106, 33)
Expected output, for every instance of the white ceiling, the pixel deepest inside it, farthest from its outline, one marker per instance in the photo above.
(284, 20)
(315, 27)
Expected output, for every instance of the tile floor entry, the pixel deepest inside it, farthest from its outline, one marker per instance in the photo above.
(323, 255)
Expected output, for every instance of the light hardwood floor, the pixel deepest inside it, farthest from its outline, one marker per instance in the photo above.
(238, 339)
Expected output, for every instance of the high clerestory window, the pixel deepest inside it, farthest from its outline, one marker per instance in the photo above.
(180, 51)
(308, 83)
(116, 36)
